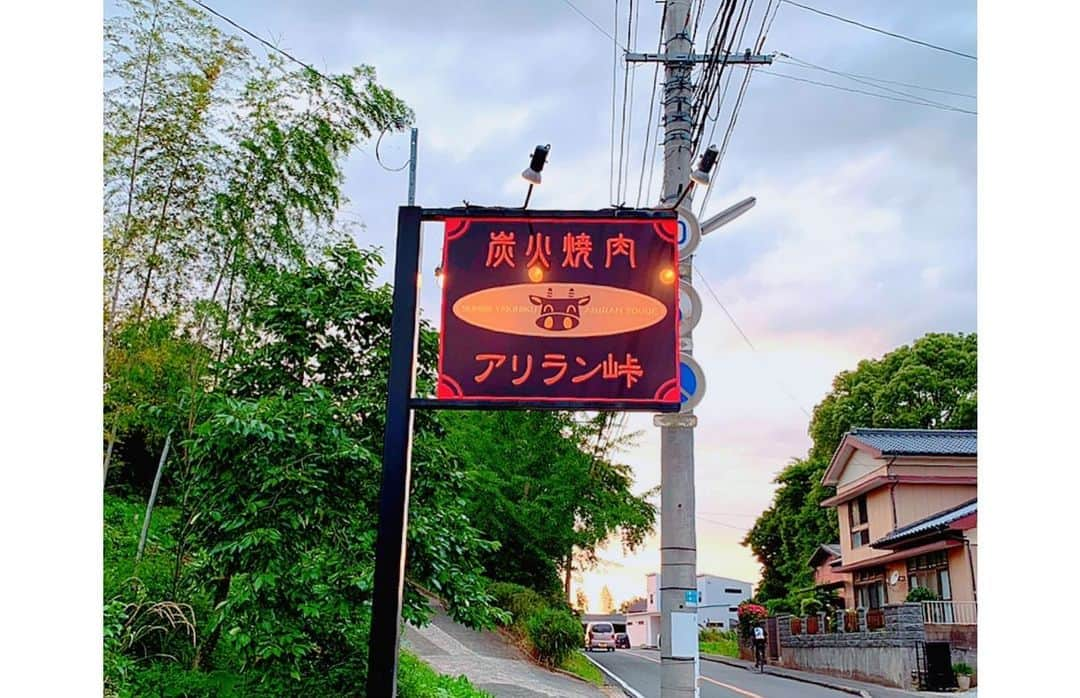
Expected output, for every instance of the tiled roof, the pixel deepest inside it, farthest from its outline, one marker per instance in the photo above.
(939, 521)
(920, 442)
(832, 549)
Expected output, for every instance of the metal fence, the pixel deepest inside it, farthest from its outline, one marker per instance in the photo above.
(951, 612)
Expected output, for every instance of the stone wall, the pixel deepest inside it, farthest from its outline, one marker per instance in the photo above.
(885, 655)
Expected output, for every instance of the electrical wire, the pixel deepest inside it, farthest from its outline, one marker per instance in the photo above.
(805, 64)
(630, 120)
(622, 126)
(614, 83)
(871, 94)
(738, 103)
(704, 107)
(652, 105)
(746, 339)
(598, 27)
(379, 159)
(882, 31)
(721, 523)
(872, 78)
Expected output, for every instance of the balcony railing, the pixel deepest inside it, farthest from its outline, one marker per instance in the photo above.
(951, 612)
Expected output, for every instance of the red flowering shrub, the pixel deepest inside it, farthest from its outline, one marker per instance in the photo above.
(749, 615)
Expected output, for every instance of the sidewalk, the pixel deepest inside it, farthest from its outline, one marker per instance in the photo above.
(490, 662)
(859, 688)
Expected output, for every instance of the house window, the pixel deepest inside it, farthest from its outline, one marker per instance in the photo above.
(650, 599)
(860, 524)
(733, 609)
(870, 587)
(931, 571)
(732, 591)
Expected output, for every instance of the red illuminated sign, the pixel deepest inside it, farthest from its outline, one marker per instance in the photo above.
(560, 310)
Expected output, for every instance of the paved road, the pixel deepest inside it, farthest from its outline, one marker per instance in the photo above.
(640, 669)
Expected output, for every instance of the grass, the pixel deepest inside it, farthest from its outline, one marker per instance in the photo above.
(418, 680)
(577, 664)
(725, 644)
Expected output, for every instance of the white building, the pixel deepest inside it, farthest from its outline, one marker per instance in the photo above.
(718, 607)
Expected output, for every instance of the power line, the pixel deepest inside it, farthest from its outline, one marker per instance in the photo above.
(622, 126)
(873, 78)
(872, 94)
(746, 339)
(614, 83)
(881, 31)
(652, 105)
(721, 523)
(598, 27)
(261, 40)
(379, 159)
(806, 64)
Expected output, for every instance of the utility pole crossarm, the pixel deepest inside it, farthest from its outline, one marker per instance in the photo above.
(691, 58)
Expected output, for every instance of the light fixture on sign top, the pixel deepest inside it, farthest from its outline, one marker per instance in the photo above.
(700, 175)
(531, 174)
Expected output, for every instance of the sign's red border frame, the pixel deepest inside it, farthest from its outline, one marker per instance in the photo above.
(449, 237)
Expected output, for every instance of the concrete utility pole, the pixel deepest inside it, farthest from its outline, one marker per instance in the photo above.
(678, 535)
(678, 532)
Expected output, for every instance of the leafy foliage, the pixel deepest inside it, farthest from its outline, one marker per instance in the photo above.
(518, 601)
(750, 614)
(545, 487)
(554, 634)
(417, 680)
(920, 594)
(931, 384)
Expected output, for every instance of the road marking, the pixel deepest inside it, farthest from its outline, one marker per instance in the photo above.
(625, 686)
(728, 686)
(736, 689)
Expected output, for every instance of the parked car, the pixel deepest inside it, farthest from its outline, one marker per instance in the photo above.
(600, 636)
(622, 641)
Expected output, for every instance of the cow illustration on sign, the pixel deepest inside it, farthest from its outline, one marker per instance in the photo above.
(559, 314)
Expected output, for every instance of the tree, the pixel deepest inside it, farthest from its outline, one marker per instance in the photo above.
(931, 384)
(581, 601)
(625, 606)
(607, 604)
(295, 423)
(544, 486)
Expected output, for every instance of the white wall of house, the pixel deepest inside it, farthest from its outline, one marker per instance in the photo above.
(643, 628)
(719, 599)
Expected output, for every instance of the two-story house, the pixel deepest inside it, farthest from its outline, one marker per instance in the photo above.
(717, 607)
(907, 509)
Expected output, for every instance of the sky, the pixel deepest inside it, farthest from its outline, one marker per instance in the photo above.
(863, 237)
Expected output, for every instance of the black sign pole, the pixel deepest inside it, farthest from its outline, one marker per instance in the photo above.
(397, 455)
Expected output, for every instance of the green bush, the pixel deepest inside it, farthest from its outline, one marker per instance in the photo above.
(810, 607)
(519, 601)
(962, 669)
(554, 634)
(778, 606)
(920, 594)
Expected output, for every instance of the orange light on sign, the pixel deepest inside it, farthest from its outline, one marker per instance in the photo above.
(536, 274)
(667, 276)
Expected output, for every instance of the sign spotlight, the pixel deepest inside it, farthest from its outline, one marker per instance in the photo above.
(701, 174)
(531, 174)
